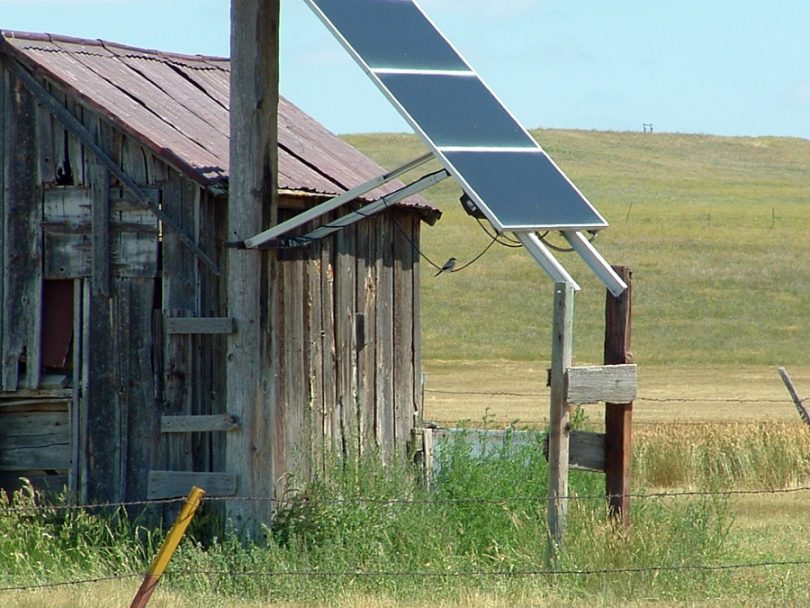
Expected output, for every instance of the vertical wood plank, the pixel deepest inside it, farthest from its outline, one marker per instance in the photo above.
(619, 416)
(416, 279)
(401, 222)
(385, 337)
(365, 303)
(209, 453)
(4, 104)
(103, 416)
(22, 263)
(180, 299)
(331, 420)
(177, 394)
(345, 340)
(100, 244)
(140, 414)
(559, 425)
(253, 171)
(47, 172)
(296, 369)
(279, 401)
(315, 340)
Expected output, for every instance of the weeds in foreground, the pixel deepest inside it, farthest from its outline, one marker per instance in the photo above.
(377, 531)
(747, 455)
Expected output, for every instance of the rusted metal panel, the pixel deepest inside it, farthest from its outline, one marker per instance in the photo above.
(177, 105)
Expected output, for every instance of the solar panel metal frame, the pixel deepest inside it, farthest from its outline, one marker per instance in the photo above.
(596, 221)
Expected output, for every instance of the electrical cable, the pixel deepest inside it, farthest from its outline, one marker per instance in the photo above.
(559, 249)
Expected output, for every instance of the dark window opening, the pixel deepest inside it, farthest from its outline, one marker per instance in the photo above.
(57, 324)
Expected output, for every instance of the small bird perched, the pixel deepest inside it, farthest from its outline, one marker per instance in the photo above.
(449, 265)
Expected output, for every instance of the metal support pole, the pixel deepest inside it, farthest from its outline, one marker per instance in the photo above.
(559, 424)
(543, 257)
(596, 262)
(333, 203)
(386, 201)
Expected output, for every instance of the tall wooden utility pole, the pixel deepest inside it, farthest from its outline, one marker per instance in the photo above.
(252, 207)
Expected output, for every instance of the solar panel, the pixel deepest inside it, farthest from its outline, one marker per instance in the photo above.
(508, 175)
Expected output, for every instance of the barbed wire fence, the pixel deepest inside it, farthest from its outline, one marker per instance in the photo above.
(416, 574)
(11, 510)
(708, 401)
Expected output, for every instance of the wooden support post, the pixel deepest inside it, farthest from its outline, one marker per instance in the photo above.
(794, 395)
(559, 425)
(168, 548)
(251, 208)
(618, 416)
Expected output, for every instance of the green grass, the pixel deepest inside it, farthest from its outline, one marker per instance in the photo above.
(363, 520)
(479, 518)
(716, 230)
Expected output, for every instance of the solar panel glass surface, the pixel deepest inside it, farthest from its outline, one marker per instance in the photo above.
(391, 34)
(523, 190)
(462, 121)
(456, 110)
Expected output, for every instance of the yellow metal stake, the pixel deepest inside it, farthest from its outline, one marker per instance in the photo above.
(168, 548)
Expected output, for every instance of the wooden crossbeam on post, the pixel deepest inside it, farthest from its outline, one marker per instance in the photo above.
(559, 424)
(618, 416)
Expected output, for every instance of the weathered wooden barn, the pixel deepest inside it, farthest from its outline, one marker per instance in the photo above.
(114, 194)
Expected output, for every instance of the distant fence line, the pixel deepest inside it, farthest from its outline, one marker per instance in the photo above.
(667, 423)
(650, 399)
(402, 501)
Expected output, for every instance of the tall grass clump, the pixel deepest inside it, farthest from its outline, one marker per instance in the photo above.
(382, 531)
(40, 543)
(765, 455)
(479, 524)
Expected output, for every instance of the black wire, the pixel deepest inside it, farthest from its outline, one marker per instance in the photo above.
(414, 246)
(436, 266)
(501, 238)
(559, 249)
(476, 258)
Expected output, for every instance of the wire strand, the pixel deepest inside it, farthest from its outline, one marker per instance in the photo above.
(495, 573)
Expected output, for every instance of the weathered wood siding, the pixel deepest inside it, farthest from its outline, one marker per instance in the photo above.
(341, 322)
(348, 344)
(66, 219)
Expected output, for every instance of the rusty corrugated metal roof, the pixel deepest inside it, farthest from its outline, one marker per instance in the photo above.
(178, 105)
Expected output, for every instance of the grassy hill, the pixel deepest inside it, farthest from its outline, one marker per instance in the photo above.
(716, 230)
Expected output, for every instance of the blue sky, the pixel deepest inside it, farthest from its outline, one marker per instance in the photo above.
(696, 66)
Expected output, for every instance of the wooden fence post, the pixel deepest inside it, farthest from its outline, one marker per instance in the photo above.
(559, 425)
(794, 394)
(618, 416)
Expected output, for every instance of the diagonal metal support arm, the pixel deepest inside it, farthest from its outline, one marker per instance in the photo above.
(380, 204)
(547, 262)
(333, 203)
(72, 124)
(596, 262)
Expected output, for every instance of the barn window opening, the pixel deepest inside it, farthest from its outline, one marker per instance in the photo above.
(57, 324)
